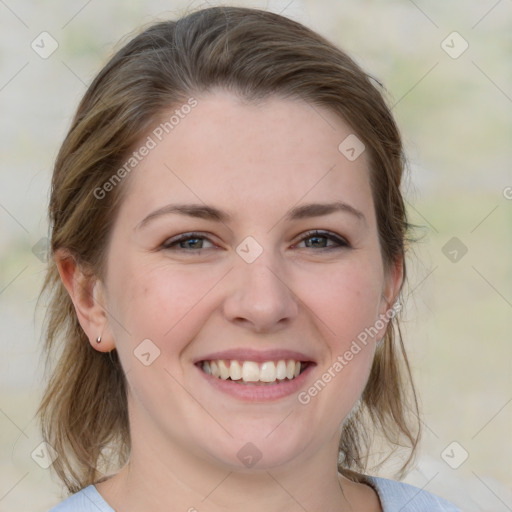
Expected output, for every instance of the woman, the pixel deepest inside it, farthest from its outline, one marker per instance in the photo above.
(228, 238)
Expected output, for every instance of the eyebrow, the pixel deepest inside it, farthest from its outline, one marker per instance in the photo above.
(202, 211)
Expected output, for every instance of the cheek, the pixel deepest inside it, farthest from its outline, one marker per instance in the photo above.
(346, 300)
(346, 308)
(156, 301)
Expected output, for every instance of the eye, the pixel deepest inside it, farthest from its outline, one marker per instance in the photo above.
(186, 241)
(320, 238)
(194, 242)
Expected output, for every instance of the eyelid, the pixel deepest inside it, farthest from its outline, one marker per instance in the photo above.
(340, 241)
(184, 237)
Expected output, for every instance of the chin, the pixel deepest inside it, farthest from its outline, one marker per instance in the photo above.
(246, 453)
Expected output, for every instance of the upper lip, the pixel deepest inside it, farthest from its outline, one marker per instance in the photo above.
(258, 356)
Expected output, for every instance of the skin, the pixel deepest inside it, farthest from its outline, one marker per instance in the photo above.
(257, 161)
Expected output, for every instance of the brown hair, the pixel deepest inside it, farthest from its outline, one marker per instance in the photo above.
(256, 54)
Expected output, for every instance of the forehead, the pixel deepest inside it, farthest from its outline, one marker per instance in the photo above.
(252, 157)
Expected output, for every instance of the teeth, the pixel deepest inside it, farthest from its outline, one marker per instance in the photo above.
(235, 370)
(214, 369)
(268, 372)
(224, 370)
(250, 371)
(290, 369)
(281, 370)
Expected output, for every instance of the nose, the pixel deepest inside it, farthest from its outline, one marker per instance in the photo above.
(261, 295)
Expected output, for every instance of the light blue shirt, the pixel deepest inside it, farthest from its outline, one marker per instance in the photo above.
(394, 497)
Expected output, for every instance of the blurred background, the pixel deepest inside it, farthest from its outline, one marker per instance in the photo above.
(448, 69)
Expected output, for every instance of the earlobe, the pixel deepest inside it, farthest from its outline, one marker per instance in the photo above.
(87, 294)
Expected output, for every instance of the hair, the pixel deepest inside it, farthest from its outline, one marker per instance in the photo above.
(255, 54)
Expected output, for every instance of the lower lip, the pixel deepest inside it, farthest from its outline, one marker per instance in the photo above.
(259, 393)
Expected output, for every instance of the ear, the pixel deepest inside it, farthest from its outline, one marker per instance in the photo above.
(88, 295)
(393, 280)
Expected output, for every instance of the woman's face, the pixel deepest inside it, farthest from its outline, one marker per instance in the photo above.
(247, 186)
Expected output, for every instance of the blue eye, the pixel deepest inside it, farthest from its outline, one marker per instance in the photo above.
(185, 242)
(320, 239)
(194, 242)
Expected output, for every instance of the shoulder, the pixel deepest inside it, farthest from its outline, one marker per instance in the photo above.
(86, 500)
(398, 496)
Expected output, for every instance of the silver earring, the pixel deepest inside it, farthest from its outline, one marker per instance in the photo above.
(98, 339)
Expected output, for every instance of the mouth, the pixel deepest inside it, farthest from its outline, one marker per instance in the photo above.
(253, 373)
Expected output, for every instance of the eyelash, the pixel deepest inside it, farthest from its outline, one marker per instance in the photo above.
(341, 242)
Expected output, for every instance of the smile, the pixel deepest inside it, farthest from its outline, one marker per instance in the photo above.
(252, 372)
